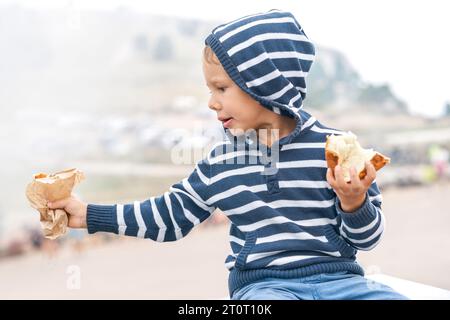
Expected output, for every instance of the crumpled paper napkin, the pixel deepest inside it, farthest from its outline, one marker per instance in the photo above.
(49, 188)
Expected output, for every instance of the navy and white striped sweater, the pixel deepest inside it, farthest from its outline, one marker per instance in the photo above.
(285, 219)
(288, 224)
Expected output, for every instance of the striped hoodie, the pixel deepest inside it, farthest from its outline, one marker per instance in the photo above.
(285, 219)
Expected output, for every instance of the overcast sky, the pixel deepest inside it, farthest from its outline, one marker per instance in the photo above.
(403, 43)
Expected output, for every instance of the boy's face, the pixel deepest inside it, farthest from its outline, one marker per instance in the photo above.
(230, 102)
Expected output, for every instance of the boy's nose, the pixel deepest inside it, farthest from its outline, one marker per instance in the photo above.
(213, 105)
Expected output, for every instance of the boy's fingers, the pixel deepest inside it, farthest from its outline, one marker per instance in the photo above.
(354, 179)
(371, 173)
(339, 176)
(60, 204)
(330, 177)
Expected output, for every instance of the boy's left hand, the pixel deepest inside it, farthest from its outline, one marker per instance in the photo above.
(351, 194)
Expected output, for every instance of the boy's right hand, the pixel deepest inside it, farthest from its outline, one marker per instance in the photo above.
(75, 208)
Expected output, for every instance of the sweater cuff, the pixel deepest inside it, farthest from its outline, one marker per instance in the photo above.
(101, 218)
(359, 218)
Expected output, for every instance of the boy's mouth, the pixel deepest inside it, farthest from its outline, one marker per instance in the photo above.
(226, 122)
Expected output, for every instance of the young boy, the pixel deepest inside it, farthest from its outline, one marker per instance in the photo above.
(295, 226)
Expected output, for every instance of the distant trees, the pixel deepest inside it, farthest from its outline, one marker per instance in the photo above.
(447, 109)
(161, 49)
(188, 27)
(141, 42)
(164, 49)
(381, 96)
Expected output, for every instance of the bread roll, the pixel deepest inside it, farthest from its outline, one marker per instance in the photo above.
(347, 152)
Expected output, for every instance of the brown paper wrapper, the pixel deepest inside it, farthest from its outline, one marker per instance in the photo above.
(53, 187)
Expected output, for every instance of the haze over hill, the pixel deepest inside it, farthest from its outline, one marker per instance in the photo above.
(124, 60)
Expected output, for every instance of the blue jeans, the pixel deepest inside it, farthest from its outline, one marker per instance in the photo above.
(331, 286)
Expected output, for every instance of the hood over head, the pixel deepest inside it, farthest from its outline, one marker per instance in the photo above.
(268, 55)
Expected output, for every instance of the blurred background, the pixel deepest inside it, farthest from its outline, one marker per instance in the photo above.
(114, 87)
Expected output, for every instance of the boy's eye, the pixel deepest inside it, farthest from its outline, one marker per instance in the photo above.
(221, 89)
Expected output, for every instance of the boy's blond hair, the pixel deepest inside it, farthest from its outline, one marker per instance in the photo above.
(209, 56)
